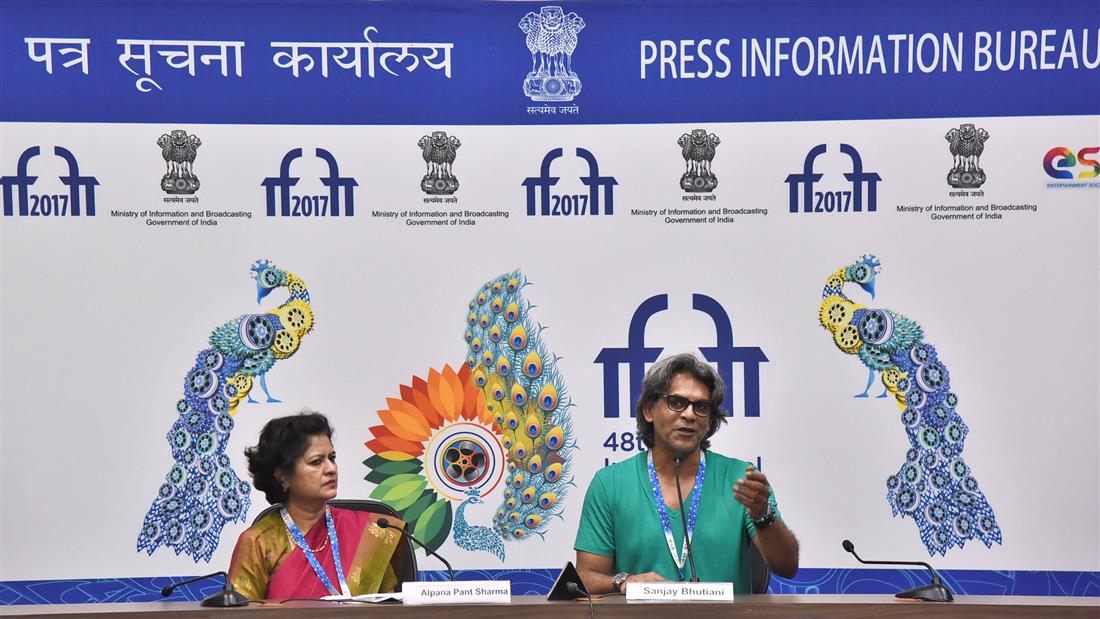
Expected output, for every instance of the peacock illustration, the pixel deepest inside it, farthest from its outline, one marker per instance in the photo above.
(475, 537)
(202, 492)
(934, 486)
(501, 421)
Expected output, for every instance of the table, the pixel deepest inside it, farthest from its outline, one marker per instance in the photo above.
(610, 607)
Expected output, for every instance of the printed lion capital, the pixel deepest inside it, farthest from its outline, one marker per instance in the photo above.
(551, 39)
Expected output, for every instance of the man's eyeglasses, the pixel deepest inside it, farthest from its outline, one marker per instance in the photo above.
(677, 404)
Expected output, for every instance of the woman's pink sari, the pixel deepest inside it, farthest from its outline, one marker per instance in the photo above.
(267, 564)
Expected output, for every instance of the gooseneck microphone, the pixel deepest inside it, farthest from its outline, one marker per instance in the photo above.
(683, 519)
(386, 524)
(226, 598)
(576, 590)
(935, 592)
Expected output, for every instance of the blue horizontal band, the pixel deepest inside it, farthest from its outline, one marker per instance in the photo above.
(539, 581)
(636, 62)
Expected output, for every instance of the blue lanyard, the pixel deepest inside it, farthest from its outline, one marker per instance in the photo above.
(681, 558)
(312, 558)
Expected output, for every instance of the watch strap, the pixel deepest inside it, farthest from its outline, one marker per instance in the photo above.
(766, 520)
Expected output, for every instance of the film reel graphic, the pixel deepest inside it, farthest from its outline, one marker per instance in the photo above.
(464, 457)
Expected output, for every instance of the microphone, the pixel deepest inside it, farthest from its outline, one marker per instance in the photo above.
(935, 592)
(568, 586)
(579, 591)
(386, 524)
(226, 598)
(683, 519)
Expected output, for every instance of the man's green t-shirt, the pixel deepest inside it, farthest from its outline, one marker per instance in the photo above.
(620, 519)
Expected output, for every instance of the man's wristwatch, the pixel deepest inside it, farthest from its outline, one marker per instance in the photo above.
(766, 520)
(618, 580)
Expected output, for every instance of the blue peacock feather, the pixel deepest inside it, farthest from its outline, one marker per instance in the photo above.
(526, 394)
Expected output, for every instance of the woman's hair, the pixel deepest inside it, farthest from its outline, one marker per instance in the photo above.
(282, 442)
(657, 381)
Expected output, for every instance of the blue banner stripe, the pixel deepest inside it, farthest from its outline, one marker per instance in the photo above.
(539, 581)
(649, 62)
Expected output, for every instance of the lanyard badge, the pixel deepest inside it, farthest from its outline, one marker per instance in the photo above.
(300, 540)
(680, 559)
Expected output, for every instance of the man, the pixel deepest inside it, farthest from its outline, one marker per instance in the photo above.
(631, 527)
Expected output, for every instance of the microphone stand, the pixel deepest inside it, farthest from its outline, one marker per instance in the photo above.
(934, 592)
(226, 598)
(576, 590)
(386, 524)
(683, 519)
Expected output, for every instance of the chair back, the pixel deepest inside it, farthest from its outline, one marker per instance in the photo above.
(761, 572)
(403, 560)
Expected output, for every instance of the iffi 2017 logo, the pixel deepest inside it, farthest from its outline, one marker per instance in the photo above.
(723, 353)
(542, 201)
(79, 200)
(551, 39)
(286, 203)
(863, 193)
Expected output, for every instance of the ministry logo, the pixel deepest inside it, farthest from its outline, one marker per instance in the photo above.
(967, 144)
(698, 151)
(179, 150)
(551, 39)
(438, 150)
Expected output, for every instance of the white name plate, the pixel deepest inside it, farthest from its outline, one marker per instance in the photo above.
(463, 592)
(679, 592)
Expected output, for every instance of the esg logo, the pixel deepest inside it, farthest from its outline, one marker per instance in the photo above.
(1062, 157)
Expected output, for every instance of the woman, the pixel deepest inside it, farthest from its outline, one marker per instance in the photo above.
(308, 549)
